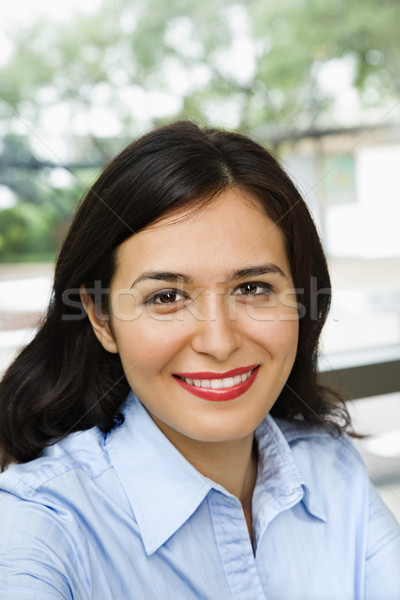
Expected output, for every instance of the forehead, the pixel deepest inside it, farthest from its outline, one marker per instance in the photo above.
(231, 231)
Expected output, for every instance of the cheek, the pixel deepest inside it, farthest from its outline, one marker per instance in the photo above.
(278, 334)
(288, 337)
(285, 326)
(147, 345)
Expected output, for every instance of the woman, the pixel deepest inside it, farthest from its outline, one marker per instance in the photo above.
(172, 440)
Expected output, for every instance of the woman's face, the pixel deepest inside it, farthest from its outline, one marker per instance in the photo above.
(204, 317)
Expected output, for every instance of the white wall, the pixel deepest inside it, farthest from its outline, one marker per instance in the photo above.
(369, 227)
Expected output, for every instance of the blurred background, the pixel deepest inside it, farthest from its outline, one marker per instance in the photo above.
(316, 81)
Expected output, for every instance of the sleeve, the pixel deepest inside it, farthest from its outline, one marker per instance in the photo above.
(36, 556)
(383, 552)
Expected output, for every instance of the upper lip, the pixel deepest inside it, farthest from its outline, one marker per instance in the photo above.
(211, 375)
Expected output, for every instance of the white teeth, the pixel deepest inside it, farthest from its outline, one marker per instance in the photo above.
(218, 384)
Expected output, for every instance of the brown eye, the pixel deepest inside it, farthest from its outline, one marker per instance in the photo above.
(166, 297)
(249, 288)
(253, 289)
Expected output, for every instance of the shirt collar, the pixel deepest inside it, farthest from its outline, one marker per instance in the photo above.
(163, 488)
(279, 476)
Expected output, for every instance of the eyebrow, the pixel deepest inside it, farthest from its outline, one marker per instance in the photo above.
(265, 269)
(170, 276)
(164, 276)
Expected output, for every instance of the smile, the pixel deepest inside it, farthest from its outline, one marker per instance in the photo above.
(218, 386)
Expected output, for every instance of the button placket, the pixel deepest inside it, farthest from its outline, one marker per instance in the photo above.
(235, 547)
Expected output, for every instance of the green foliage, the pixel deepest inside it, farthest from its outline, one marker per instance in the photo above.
(38, 222)
(22, 228)
(127, 49)
(27, 228)
(150, 62)
(301, 36)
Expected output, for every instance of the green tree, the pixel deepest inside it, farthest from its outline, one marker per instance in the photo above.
(252, 65)
(174, 56)
(37, 223)
(299, 37)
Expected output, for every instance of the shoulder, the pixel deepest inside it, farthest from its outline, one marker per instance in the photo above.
(356, 520)
(45, 505)
(79, 455)
(329, 462)
(43, 547)
(311, 442)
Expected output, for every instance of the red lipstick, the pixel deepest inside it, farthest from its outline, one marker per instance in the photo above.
(220, 394)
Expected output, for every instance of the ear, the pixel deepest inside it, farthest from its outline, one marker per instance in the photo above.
(99, 323)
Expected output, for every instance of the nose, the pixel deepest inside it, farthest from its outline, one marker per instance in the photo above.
(216, 333)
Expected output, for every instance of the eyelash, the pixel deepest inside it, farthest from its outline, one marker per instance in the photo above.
(154, 298)
(266, 288)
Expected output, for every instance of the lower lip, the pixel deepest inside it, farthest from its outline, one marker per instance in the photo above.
(219, 395)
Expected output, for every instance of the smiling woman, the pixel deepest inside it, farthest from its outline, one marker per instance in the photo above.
(214, 317)
(181, 445)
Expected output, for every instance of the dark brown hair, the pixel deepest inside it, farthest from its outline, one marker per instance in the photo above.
(64, 380)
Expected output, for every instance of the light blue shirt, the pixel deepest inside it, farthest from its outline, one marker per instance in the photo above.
(124, 516)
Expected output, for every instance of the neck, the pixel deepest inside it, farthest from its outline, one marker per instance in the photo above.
(232, 464)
